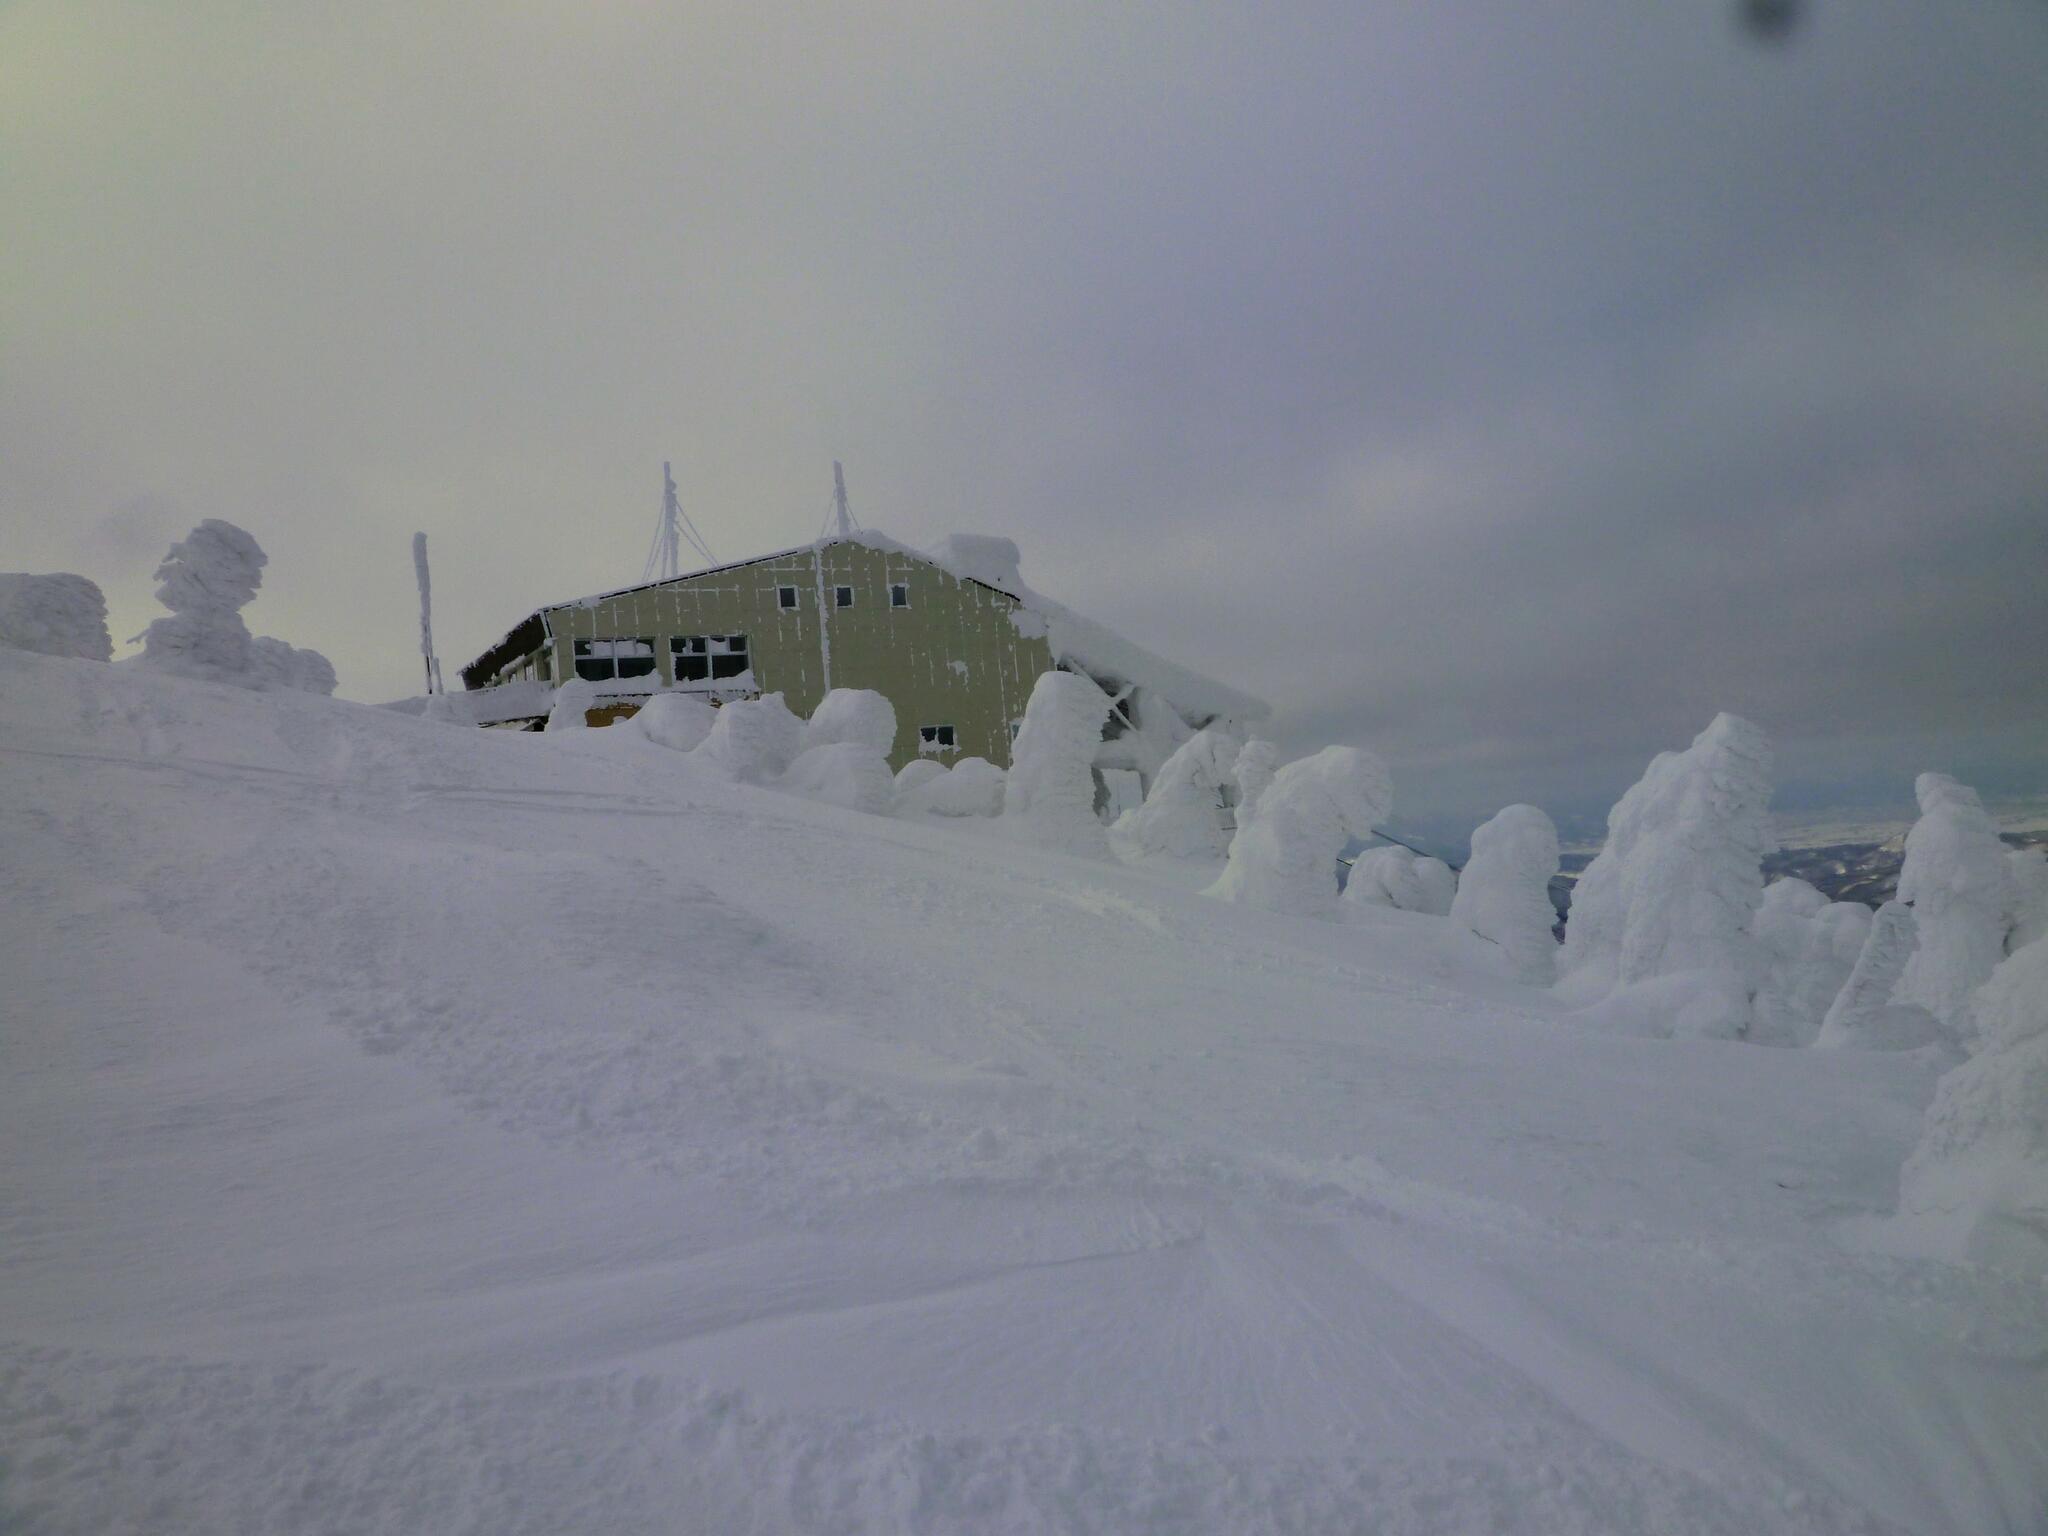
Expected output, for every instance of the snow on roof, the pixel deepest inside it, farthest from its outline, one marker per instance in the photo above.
(994, 563)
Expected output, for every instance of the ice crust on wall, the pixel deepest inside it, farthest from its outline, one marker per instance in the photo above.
(1807, 946)
(572, 703)
(1959, 882)
(1862, 1016)
(1504, 890)
(1978, 1182)
(1050, 794)
(275, 663)
(56, 615)
(1183, 811)
(678, 721)
(971, 787)
(2029, 871)
(852, 774)
(752, 740)
(857, 715)
(206, 581)
(1673, 891)
(1399, 877)
(1284, 858)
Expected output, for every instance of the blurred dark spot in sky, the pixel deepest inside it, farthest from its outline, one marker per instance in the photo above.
(1768, 21)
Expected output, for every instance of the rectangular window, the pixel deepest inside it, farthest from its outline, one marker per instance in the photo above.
(935, 738)
(599, 661)
(705, 658)
(786, 596)
(842, 597)
(899, 595)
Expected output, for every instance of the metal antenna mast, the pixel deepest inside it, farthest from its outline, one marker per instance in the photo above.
(841, 510)
(665, 555)
(419, 567)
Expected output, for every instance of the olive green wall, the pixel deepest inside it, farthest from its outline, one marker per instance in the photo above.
(953, 657)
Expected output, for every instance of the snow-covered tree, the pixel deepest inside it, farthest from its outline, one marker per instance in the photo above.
(275, 663)
(858, 715)
(1253, 771)
(1183, 812)
(573, 701)
(2029, 870)
(1399, 877)
(1284, 858)
(678, 721)
(1504, 890)
(1807, 946)
(1673, 890)
(1050, 795)
(1863, 1017)
(917, 771)
(56, 615)
(752, 740)
(971, 787)
(1960, 885)
(206, 581)
(1978, 1182)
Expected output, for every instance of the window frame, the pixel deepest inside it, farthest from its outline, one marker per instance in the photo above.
(931, 744)
(899, 595)
(736, 647)
(786, 598)
(842, 595)
(585, 653)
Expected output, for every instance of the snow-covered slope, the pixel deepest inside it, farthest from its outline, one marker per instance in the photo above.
(407, 1128)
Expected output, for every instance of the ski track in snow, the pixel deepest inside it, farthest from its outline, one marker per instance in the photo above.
(409, 1128)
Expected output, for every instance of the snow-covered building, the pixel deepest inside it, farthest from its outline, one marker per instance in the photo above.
(952, 637)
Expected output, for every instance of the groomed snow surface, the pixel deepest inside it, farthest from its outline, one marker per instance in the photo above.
(408, 1128)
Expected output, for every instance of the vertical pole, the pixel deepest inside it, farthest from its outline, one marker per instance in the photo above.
(419, 566)
(839, 500)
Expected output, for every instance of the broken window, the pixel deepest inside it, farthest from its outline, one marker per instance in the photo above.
(842, 597)
(599, 661)
(786, 596)
(935, 738)
(899, 594)
(704, 658)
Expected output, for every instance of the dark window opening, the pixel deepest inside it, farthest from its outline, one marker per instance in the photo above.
(786, 596)
(899, 595)
(705, 658)
(842, 597)
(938, 737)
(599, 661)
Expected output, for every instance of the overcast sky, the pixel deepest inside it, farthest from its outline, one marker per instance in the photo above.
(1503, 386)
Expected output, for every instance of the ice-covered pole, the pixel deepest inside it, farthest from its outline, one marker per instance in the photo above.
(419, 565)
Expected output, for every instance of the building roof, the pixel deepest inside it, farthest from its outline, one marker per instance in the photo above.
(988, 562)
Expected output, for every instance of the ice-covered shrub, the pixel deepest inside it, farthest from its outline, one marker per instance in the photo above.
(852, 774)
(1807, 946)
(1183, 811)
(56, 615)
(1050, 795)
(2029, 872)
(1284, 858)
(1960, 885)
(1253, 771)
(1862, 1016)
(1674, 889)
(1504, 890)
(752, 740)
(858, 715)
(275, 663)
(206, 581)
(1399, 877)
(917, 771)
(678, 721)
(971, 787)
(573, 701)
(1978, 1182)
